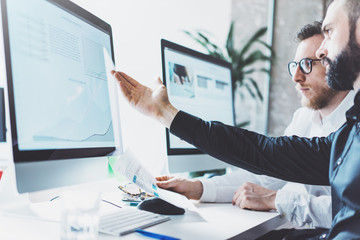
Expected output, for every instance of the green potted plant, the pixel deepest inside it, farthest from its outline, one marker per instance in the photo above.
(244, 61)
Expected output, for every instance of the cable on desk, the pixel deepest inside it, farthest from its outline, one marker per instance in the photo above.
(111, 203)
(56, 197)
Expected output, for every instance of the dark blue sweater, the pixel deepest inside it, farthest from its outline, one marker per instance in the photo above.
(332, 160)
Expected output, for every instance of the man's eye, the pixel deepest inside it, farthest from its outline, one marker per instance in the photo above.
(328, 31)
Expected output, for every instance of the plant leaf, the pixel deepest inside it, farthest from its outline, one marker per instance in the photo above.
(267, 46)
(243, 124)
(210, 47)
(257, 89)
(230, 41)
(249, 90)
(253, 39)
(265, 70)
(255, 56)
(199, 39)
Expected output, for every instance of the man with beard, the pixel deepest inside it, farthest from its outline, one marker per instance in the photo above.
(332, 160)
(323, 112)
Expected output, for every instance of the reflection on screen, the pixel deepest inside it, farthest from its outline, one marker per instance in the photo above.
(198, 87)
(60, 85)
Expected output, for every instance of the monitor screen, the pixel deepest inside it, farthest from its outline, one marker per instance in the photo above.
(62, 111)
(58, 90)
(197, 84)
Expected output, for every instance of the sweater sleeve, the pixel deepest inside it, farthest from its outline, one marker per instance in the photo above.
(304, 160)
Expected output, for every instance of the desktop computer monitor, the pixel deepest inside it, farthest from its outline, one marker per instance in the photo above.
(200, 85)
(64, 120)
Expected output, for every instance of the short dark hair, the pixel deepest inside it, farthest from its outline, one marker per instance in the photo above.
(309, 30)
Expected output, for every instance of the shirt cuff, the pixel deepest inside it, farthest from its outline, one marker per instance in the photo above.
(282, 200)
(291, 206)
(209, 190)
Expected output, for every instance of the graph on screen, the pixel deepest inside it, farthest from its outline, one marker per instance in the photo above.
(60, 82)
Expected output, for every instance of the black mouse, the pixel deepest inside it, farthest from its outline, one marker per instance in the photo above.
(157, 205)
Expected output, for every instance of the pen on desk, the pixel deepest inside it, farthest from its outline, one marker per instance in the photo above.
(155, 235)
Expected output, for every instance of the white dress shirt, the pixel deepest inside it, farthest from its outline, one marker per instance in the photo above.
(302, 205)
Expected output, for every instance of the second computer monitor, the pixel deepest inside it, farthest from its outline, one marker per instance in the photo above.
(200, 85)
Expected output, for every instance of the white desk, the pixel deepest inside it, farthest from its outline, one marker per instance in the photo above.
(213, 221)
(220, 221)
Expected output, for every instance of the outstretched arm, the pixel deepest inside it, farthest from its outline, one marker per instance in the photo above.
(292, 158)
(288, 158)
(151, 102)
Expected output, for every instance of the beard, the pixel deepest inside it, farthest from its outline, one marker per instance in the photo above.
(322, 98)
(344, 69)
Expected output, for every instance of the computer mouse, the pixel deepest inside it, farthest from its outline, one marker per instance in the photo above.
(160, 206)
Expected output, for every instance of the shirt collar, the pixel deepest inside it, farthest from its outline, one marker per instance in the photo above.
(353, 114)
(337, 114)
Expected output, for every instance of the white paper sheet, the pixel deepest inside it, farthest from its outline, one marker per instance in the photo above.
(130, 167)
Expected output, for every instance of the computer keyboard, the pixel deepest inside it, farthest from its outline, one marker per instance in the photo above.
(126, 220)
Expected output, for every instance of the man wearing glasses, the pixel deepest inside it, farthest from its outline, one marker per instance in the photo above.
(323, 112)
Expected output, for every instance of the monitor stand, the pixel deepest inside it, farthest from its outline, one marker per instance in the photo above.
(20, 205)
(43, 205)
(45, 211)
(9, 194)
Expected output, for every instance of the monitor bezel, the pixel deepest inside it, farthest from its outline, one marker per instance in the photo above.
(2, 116)
(174, 46)
(50, 154)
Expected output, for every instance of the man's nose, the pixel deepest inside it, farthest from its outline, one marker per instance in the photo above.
(322, 51)
(298, 76)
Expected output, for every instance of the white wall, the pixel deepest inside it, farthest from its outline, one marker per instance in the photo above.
(138, 26)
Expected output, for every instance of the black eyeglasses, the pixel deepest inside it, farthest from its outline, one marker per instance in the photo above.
(134, 193)
(305, 65)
